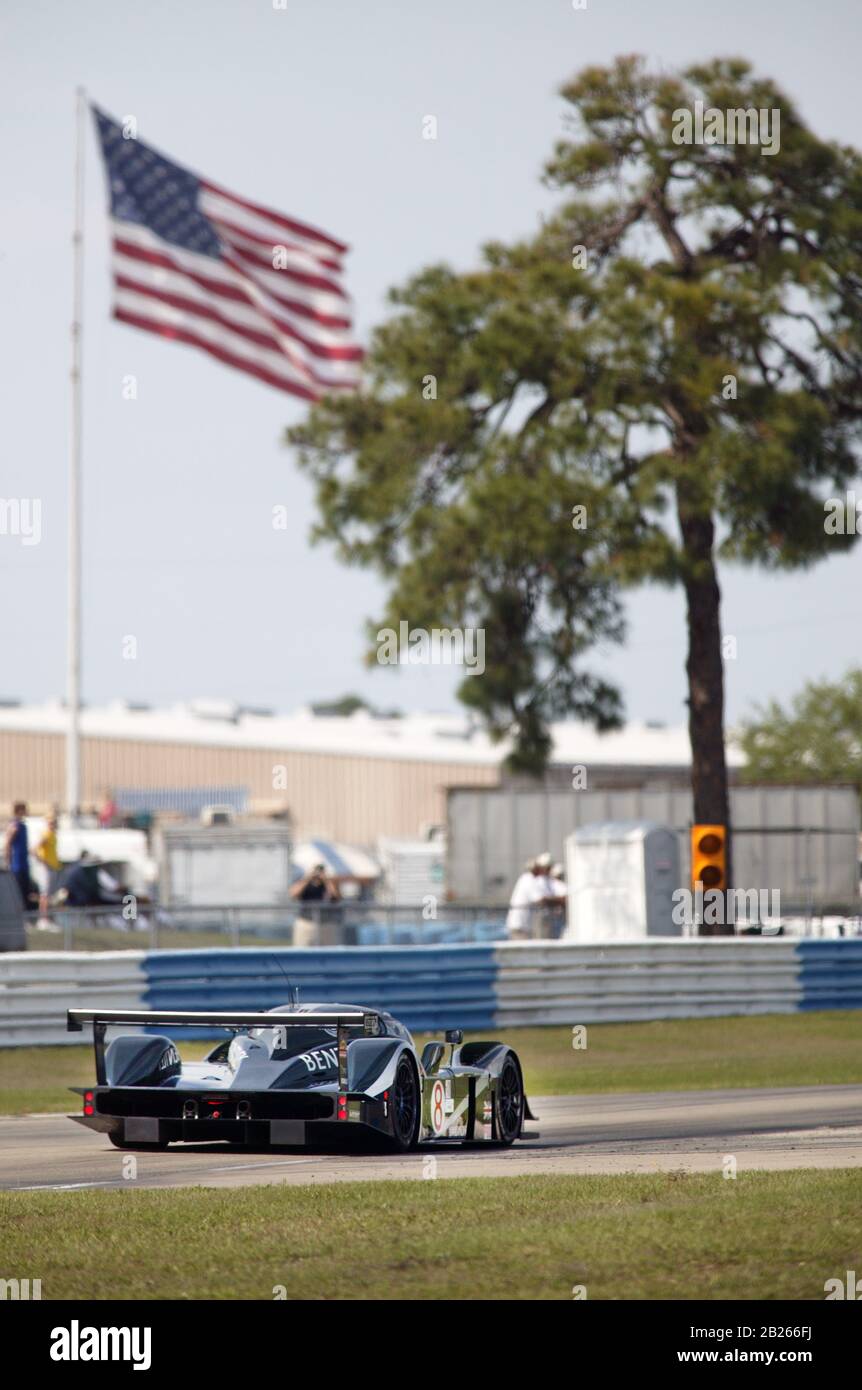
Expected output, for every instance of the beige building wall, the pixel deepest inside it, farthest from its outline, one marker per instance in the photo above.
(346, 797)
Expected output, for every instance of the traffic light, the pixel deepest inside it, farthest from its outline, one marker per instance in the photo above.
(709, 857)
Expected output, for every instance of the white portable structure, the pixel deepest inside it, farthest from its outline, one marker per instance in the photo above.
(243, 865)
(413, 870)
(620, 879)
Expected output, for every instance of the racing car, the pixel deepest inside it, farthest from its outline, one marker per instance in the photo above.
(294, 1074)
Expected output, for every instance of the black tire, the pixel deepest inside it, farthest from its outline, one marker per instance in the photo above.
(135, 1148)
(405, 1106)
(509, 1102)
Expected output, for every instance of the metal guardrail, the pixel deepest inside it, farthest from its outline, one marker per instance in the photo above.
(37, 986)
(502, 985)
(561, 982)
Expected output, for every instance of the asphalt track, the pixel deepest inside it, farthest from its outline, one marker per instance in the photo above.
(669, 1131)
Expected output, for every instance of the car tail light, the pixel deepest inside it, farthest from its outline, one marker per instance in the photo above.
(89, 1105)
(342, 1107)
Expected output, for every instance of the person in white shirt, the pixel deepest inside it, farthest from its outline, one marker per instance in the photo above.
(532, 888)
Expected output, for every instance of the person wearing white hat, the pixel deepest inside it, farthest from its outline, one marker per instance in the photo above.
(531, 890)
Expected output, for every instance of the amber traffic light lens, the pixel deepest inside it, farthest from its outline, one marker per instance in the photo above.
(709, 844)
(710, 876)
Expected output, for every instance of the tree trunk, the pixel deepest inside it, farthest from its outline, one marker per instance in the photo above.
(705, 671)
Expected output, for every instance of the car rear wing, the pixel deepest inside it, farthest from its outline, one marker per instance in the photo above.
(233, 1018)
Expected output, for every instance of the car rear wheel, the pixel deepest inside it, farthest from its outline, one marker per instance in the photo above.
(405, 1106)
(509, 1110)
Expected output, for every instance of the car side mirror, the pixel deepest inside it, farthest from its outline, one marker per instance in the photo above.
(454, 1035)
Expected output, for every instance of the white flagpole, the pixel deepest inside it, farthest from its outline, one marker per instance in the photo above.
(73, 670)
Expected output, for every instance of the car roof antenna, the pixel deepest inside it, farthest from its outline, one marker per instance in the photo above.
(294, 993)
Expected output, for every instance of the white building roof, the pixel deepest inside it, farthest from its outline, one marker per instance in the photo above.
(418, 737)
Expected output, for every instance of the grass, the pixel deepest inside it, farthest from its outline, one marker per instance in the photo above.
(671, 1236)
(808, 1049)
(687, 1054)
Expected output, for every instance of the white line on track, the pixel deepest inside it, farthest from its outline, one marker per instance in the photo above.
(64, 1186)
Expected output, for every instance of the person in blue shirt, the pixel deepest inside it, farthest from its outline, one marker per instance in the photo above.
(18, 855)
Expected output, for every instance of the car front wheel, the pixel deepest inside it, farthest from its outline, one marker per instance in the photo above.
(509, 1109)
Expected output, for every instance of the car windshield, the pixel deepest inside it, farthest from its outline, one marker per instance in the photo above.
(285, 1042)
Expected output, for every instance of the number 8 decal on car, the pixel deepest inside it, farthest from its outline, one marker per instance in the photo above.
(437, 1120)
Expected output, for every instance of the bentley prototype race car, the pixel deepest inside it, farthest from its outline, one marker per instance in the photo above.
(295, 1074)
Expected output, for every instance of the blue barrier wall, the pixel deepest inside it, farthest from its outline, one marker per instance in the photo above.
(830, 973)
(427, 987)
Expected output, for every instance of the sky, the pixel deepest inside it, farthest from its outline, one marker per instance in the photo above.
(316, 109)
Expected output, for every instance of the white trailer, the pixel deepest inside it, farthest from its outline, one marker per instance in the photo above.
(412, 871)
(240, 865)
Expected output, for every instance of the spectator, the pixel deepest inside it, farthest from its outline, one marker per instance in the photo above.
(109, 814)
(78, 882)
(87, 883)
(49, 868)
(18, 855)
(316, 887)
(545, 914)
(531, 889)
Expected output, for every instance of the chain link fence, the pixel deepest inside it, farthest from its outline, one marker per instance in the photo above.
(300, 924)
(140, 927)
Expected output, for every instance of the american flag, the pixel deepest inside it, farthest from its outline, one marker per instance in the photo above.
(258, 290)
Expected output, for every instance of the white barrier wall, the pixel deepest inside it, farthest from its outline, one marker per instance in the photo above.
(37, 987)
(562, 982)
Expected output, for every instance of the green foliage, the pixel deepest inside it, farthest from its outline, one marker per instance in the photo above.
(819, 739)
(349, 704)
(705, 367)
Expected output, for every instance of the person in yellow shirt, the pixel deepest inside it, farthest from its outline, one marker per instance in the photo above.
(50, 865)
